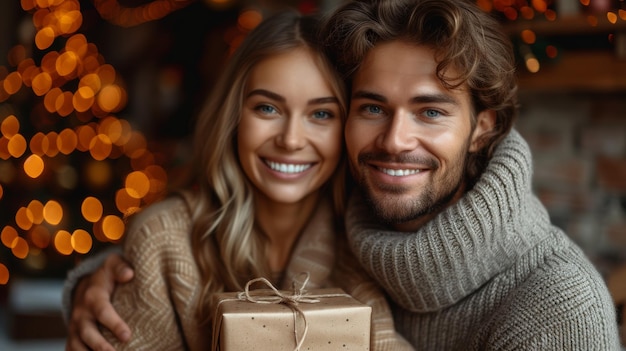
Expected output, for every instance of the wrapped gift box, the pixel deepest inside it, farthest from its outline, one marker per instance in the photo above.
(336, 322)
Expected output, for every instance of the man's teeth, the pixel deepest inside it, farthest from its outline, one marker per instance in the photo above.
(399, 172)
(288, 167)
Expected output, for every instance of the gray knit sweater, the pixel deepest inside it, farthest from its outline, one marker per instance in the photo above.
(490, 272)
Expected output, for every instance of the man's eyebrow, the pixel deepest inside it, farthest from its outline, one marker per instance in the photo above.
(364, 94)
(425, 98)
(267, 94)
(437, 98)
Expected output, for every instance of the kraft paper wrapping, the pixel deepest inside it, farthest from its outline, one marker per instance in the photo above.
(336, 321)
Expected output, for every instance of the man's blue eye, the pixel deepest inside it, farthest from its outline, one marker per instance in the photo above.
(373, 109)
(432, 113)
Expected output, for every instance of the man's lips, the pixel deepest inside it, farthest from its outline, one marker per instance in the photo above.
(398, 172)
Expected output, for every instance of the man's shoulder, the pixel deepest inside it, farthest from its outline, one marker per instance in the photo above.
(561, 287)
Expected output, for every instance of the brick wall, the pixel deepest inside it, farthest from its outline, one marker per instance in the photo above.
(579, 151)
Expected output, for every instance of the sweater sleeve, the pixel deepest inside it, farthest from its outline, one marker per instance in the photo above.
(85, 268)
(561, 306)
(159, 303)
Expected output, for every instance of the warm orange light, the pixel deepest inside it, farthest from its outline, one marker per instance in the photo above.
(107, 74)
(20, 247)
(92, 81)
(4, 148)
(36, 208)
(40, 236)
(24, 218)
(4, 274)
(81, 241)
(17, 145)
(91, 209)
(36, 144)
(249, 19)
(10, 126)
(42, 83)
(85, 133)
(67, 141)
(611, 17)
(158, 178)
(136, 145)
(44, 38)
(100, 147)
(77, 43)
(66, 63)
(551, 51)
(110, 98)
(83, 99)
(137, 184)
(111, 127)
(63, 242)
(113, 227)
(28, 5)
(70, 21)
(12, 83)
(53, 212)
(50, 99)
(528, 36)
(8, 235)
(125, 203)
(63, 104)
(52, 149)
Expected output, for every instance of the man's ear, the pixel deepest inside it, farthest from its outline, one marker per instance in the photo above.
(485, 122)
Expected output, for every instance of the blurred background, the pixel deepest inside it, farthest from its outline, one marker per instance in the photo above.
(97, 99)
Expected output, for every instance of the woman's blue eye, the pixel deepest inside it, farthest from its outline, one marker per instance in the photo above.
(322, 115)
(267, 109)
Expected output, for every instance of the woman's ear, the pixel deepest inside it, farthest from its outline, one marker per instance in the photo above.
(485, 122)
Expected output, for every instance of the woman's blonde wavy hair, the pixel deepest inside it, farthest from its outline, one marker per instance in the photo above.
(227, 250)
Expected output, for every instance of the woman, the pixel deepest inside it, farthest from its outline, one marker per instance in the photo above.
(269, 200)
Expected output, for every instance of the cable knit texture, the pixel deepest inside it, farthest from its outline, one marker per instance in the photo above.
(160, 302)
(490, 272)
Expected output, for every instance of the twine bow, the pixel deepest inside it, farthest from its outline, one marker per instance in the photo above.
(298, 296)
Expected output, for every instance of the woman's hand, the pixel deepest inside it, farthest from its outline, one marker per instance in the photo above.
(92, 307)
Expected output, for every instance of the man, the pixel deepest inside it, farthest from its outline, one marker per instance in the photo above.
(444, 218)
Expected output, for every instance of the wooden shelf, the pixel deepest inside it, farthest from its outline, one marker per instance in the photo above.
(577, 72)
(580, 70)
(572, 25)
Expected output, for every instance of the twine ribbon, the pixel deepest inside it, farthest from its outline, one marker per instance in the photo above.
(275, 296)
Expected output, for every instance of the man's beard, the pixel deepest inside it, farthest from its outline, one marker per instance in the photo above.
(437, 195)
(390, 211)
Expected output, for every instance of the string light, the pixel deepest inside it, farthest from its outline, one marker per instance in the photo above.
(97, 94)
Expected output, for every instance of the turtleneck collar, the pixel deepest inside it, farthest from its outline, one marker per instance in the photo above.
(464, 246)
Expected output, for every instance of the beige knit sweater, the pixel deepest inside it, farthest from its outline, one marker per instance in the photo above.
(160, 302)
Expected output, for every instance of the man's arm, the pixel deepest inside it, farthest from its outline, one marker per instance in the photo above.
(87, 301)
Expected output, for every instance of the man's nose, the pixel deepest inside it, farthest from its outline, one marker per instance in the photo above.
(400, 134)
